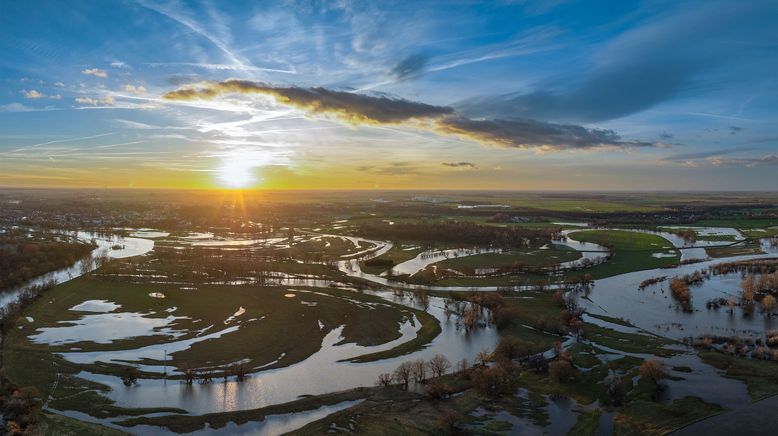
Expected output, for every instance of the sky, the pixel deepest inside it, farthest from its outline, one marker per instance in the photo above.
(526, 95)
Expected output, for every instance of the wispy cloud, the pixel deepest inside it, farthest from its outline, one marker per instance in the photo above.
(468, 165)
(106, 101)
(749, 162)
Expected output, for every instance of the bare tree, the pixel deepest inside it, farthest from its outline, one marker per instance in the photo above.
(384, 380)
(403, 373)
(768, 304)
(419, 370)
(483, 357)
(439, 365)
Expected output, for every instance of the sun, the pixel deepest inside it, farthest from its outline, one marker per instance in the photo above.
(236, 174)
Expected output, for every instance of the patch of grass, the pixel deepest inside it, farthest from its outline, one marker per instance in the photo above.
(368, 320)
(610, 319)
(430, 329)
(760, 376)
(54, 424)
(734, 250)
(632, 251)
(190, 423)
(537, 258)
(396, 255)
(586, 424)
(631, 343)
(650, 418)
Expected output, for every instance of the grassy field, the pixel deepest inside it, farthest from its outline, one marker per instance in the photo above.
(632, 251)
(269, 307)
(536, 257)
(368, 320)
(397, 254)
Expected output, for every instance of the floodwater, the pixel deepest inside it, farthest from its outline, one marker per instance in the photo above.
(651, 309)
(285, 384)
(114, 246)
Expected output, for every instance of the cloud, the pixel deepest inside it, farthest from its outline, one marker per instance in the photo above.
(15, 107)
(119, 64)
(532, 134)
(95, 72)
(32, 94)
(469, 165)
(355, 108)
(59, 84)
(735, 130)
(370, 109)
(749, 162)
(644, 66)
(410, 68)
(55, 97)
(687, 158)
(137, 90)
(392, 169)
(107, 101)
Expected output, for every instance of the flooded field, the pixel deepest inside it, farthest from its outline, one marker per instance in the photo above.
(152, 326)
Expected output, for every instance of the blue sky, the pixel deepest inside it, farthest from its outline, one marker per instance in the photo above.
(466, 95)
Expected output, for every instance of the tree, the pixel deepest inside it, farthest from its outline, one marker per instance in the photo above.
(562, 369)
(419, 371)
(384, 380)
(402, 373)
(614, 390)
(482, 358)
(437, 389)
(511, 347)
(768, 304)
(731, 303)
(439, 364)
(652, 369)
(130, 376)
(463, 366)
(747, 289)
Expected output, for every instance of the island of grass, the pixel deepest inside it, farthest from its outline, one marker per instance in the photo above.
(632, 251)
(513, 258)
(245, 314)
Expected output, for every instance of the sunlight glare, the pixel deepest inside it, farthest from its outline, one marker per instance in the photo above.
(235, 173)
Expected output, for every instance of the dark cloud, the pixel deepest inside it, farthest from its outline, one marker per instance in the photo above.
(527, 134)
(644, 66)
(411, 67)
(353, 107)
(392, 169)
(371, 109)
(469, 165)
(735, 129)
(665, 135)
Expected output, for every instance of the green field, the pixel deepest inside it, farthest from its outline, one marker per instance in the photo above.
(532, 258)
(632, 251)
(267, 311)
